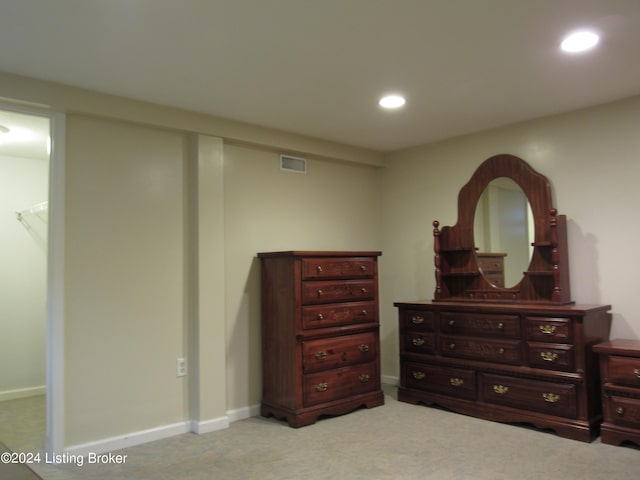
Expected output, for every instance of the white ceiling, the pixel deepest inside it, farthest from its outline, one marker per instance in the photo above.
(318, 67)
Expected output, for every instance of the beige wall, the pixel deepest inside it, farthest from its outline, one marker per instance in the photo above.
(334, 206)
(23, 277)
(591, 159)
(125, 291)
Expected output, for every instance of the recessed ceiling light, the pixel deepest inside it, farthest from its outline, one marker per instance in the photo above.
(579, 42)
(392, 101)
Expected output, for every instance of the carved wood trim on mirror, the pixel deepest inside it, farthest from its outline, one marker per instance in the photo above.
(457, 271)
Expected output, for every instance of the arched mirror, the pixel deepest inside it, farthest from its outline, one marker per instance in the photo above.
(505, 214)
(503, 232)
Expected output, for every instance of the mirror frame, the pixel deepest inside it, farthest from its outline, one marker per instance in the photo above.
(458, 277)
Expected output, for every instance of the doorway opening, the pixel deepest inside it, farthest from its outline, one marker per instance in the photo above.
(30, 278)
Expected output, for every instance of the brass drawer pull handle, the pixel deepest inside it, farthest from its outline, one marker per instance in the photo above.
(417, 319)
(500, 389)
(549, 356)
(456, 382)
(500, 326)
(363, 268)
(551, 397)
(418, 342)
(548, 329)
(320, 316)
(620, 411)
(364, 378)
(363, 290)
(501, 351)
(320, 293)
(452, 323)
(452, 346)
(319, 269)
(363, 348)
(321, 355)
(418, 375)
(364, 312)
(322, 387)
(636, 372)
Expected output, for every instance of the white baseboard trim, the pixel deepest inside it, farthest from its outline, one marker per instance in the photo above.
(212, 425)
(137, 438)
(242, 413)
(22, 393)
(129, 440)
(389, 380)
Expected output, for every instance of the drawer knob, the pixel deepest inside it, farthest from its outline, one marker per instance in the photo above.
(500, 389)
(452, 323)
(364, 378)
(418, 342)
(620, 410)
(500, 326)
(417, 319)
(452, 346)
(456, 382)
(320, 293)
(418, 375)
(363, 348)
(364, 312)
(549, 356)
(363, 268)
(319, 269)
(320, 316)
(501, 350)
(322, 387)
(636, 372)
(321, 355)
(551, 397)
(363, 290)
(548, 329)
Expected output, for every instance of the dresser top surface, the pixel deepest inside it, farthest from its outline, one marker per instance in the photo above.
(550, 309)
(320, 253)
(619, 346)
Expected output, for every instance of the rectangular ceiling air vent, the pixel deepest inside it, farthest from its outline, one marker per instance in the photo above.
(293, 164)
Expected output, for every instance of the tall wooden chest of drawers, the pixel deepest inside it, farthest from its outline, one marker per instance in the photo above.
(506, 362)
(320, 334)
(620, 373)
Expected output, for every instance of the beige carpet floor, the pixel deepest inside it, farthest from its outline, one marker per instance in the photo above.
(394, 441)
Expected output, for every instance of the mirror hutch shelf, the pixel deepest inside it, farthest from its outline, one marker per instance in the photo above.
(521, 354)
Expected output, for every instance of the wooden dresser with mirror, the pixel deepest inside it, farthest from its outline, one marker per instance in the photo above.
(518, 352)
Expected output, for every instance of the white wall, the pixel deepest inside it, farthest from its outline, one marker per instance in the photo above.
(591, 158)
(23, 256)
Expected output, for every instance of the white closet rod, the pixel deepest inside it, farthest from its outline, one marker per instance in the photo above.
(32, 210)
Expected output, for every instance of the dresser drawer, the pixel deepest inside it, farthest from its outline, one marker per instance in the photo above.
(551, 356)
(334, 352)
(418, 342)
(353, 267)
(624, 370)
(622, 410)
(337, 291)
(499, 326)
(450, 381)
(417, 320)
(548, 329)
(490, 264)
(546, 397)
(499, 351)
(320, 316)
(340, 383)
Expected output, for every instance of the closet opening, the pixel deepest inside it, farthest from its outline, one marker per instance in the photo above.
(28, 368)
